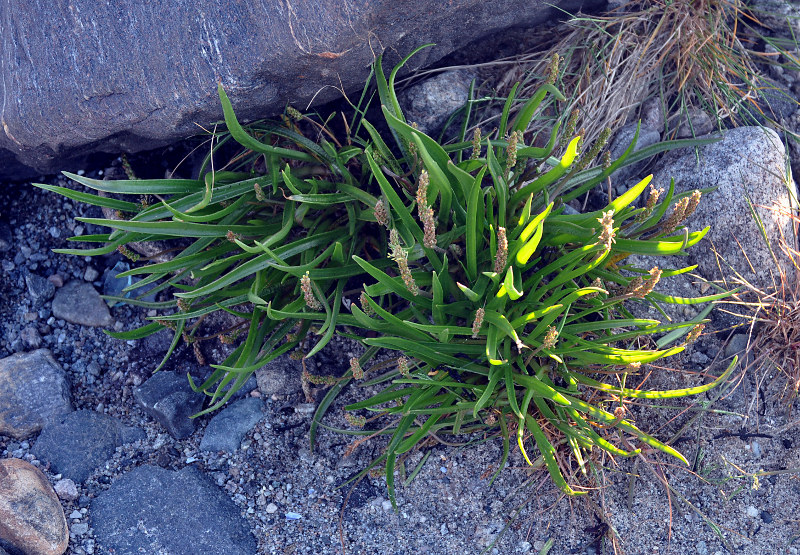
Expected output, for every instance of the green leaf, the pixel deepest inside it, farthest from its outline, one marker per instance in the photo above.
(138, 333)
(243, 138)
(139, 186)
(87, 198)
(475, 216)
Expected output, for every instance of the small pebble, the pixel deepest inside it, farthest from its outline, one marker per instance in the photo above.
(293, 516)
(271, 508)
(56, 280)
(756, 447)
(90, 274)
(79, 528)
(766, 517)
(66, 490)
(305, 408)
(76, 515)
(752, 512)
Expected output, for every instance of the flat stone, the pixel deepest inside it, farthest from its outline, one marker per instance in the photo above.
(80, 442)
(79, 303)
(40, 290)
(227, 429)
(33, 391)
(280, 376)
(169, 399)
(153, 510)
(31, 517)
(119, 97)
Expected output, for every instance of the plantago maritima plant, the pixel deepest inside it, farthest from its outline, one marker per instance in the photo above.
(514, 314)
(508, 311)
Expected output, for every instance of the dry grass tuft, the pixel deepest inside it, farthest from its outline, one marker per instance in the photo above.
(774, 318)
(685, 53)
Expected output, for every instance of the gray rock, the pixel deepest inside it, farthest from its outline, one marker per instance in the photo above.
(79, 303)
(169, 399)
(66, 489)
(777, 102)
(5, 237)
(153, 510)
(30, 336)
(157, 344)
(113, 286)
(33, 391)
(622, 140)
(280, 376)
(90, 274)
(430, 102)
(748, 162)
(40, 290)
(653, 114)
(227, 429)
(79, 443)
(693, 123)
(114, 95)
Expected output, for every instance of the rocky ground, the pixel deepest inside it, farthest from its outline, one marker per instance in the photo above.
(133, 474)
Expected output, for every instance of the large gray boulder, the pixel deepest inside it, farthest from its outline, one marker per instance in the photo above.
(88, 76)
(748, 168)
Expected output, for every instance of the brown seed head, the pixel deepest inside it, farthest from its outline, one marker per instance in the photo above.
(501, 257)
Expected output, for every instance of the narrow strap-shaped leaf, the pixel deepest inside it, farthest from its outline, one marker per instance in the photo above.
(87, 198)
(246, 140)
(394, 285)
(138, 333)
(550, 177)
(475, 219)
(494, 377)
(548, 454)
(139, 186)
(525, 114)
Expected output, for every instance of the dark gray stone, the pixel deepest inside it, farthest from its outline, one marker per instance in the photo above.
(227, 429)
(5, 239)
(169, 399)
(40, 290)
(33, 391)
(113, 286)
(79, 303)
(156, 345)
(80, 442)
(777, 102)
(153, 510)
(113, 94)
(280, 376)
(622, 140)
(694, 122)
